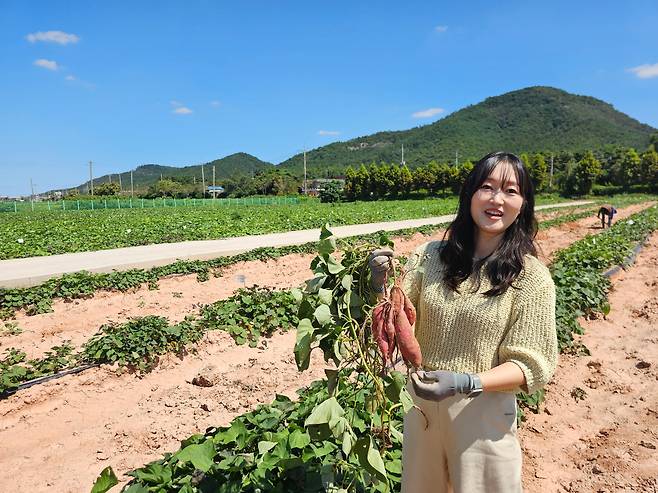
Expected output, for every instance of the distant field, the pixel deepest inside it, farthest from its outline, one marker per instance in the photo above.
(29, 234)
(48, 233)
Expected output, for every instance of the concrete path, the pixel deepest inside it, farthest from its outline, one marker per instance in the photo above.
(26, 272)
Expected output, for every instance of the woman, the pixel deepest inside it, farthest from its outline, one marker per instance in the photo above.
(486, 328)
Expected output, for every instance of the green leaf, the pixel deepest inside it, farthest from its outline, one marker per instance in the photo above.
(325, 295)
(323, 314)
(303, 343)
(105, 481)
(200, 455)
(265, 446)
(369, 457)
(334, 266)
(315, 283)
(299, 439)
(318, 422)
(297, 294)
(325, 232)
(327, 246)
(346, 282)
(136, 488)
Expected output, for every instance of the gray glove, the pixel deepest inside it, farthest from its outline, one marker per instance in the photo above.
(438, 384)
(379, 262)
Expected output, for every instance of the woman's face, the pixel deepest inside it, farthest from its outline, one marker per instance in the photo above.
(497, 203)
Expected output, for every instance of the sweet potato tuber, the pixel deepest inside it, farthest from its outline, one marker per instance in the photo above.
(406, 340)
(392, 326)
(378, 332)
(409, 310)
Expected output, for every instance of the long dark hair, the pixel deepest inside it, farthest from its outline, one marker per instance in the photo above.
(505, 264)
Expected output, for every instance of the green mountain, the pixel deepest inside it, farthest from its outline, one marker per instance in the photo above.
(528, 120)
(231, 166)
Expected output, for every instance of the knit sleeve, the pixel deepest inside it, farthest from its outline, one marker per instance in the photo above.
(531, 341)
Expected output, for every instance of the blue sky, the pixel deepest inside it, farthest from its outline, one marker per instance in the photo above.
(185, 82)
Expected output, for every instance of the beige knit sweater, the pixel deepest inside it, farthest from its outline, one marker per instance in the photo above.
(470, 332)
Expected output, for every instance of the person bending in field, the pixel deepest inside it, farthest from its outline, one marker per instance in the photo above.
(606, 211)
(486, 329)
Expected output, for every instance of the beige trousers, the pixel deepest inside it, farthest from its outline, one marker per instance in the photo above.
(469, 446)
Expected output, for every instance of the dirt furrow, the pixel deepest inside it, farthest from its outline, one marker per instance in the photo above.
(599, 429)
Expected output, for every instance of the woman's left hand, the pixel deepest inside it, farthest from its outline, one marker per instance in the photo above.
(436, 385)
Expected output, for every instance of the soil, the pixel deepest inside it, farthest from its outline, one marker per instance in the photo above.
(598, 431)
(60, 434)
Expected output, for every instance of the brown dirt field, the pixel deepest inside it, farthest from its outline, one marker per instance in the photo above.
(607, 441)
(59, 435)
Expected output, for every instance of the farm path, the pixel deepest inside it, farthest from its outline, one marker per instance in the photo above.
(59, 435)
(23, 272)
(178, 296)
(606, 440)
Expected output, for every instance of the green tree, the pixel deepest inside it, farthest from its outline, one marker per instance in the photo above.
(381, 181)
(350, 190)
(649, 168)
(107, 189)
(653, 142)
(583, 175)
(332, 191)
(539, 172)
(406, 180)
(363, 179)
(394, 178)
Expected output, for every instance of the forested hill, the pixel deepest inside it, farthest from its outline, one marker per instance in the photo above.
(527, 120)
(232, 166)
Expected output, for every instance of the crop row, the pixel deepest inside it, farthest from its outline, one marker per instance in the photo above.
(136, 344)
(38, 299)
(332, 438)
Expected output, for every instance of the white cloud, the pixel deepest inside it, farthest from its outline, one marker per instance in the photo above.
(182, 110)
(441, 29)
(70, 77)
(428, 113)
(328, 132)
(58, 37)
(175, 103)
(215, 104)
(47, 64)
(645, 71)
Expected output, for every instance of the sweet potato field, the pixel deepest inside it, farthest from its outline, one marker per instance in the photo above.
(341, 432)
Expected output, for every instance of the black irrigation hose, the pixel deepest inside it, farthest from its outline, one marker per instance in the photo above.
(54, 376)
(628, 260)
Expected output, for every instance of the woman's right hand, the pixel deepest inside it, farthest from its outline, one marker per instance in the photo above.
(379, 262)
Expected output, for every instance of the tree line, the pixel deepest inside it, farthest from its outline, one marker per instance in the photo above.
(568, 173)
(613, 168)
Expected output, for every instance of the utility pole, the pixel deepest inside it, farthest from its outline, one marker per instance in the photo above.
(203, 182)
(32, 190)
(550, 180)
(214, 190)
(132, 190)
(402, 163)
(91, 178)
(456, 158)
(120, 186)
(305, 186)
(109, 178)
